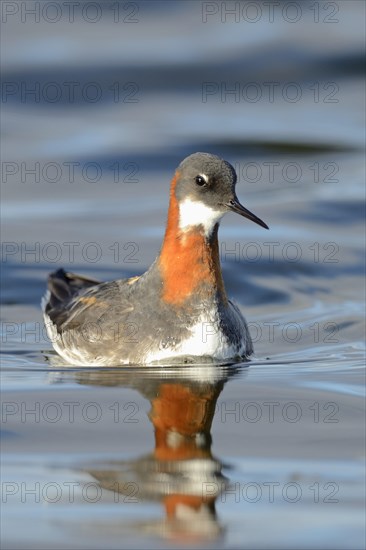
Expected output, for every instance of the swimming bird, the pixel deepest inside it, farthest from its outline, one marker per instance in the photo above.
(178, 310)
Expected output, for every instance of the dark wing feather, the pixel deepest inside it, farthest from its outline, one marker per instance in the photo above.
(77, 303)
(63, 286)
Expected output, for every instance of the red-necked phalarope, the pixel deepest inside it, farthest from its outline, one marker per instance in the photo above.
(178, 310)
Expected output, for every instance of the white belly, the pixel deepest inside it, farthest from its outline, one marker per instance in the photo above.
(206, 341)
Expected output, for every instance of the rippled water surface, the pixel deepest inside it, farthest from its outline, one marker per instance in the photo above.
(268, 454)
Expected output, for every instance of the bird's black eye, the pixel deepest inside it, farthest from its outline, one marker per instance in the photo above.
(200, 180)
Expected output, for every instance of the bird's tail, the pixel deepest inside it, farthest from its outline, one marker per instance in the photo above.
(62, 286)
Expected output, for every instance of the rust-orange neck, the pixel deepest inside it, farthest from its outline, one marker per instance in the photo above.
(189, 261)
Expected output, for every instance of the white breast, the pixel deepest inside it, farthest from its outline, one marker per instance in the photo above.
(206, 341)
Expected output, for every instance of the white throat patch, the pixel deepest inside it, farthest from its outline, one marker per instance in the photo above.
(193, 213)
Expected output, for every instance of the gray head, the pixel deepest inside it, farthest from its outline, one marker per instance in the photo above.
(205, 190)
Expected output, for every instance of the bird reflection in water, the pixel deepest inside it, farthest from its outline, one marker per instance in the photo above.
(181, 472)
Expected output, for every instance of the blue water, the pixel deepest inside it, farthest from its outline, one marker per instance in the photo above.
(268, 454)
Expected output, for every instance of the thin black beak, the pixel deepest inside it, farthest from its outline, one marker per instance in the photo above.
(235, 206)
